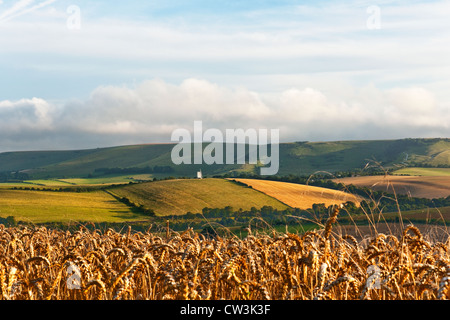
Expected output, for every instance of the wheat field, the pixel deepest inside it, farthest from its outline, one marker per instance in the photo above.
(39, 263)
(300, 196)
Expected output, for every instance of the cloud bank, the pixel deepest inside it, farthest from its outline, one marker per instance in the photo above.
(151, 110)
(313, 70)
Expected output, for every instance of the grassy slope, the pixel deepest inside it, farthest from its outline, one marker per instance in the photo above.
(124, 156)
(301, 158)
(12, 161)
(47, 206)
(309, 157)
(300, 196)
(182, 196)
(80, 165)
(439, 153)
(107, 180)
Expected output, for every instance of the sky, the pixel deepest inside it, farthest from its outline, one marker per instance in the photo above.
(87, 74)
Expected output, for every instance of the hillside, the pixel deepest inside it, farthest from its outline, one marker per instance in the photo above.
(81, 163)
(175, 197)
(298, 195)
(299, 158)
(308, 157)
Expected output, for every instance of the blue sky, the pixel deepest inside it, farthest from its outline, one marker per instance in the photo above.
(115, 72)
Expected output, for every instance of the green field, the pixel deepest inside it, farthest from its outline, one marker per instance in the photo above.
(47, 183)
(106, 180)
(424, 215)
(420, 216)
(174, 197)
(423, 171)
(49, 206)
(164, 197)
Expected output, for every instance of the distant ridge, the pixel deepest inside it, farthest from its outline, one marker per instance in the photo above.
(298, 158)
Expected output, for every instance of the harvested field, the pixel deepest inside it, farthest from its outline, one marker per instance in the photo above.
(416, 186)
(298, 195)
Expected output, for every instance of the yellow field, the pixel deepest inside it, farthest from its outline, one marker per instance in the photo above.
(298, 195)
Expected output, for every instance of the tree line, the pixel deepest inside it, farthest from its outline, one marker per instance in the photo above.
(134, 170)
(8, 176)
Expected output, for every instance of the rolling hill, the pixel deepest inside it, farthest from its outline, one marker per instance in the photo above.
(164, 197)
(179, 196)
(299, 158)
(191, 195)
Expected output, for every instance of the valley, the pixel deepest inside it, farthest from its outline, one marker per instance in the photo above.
(138, 185)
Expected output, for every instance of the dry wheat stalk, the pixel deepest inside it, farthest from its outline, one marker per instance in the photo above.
(133, 265)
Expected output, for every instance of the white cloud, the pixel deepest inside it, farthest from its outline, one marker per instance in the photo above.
(25, 114)
(150, 112)
(416, 101)
(318, 46)
(314, 71)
